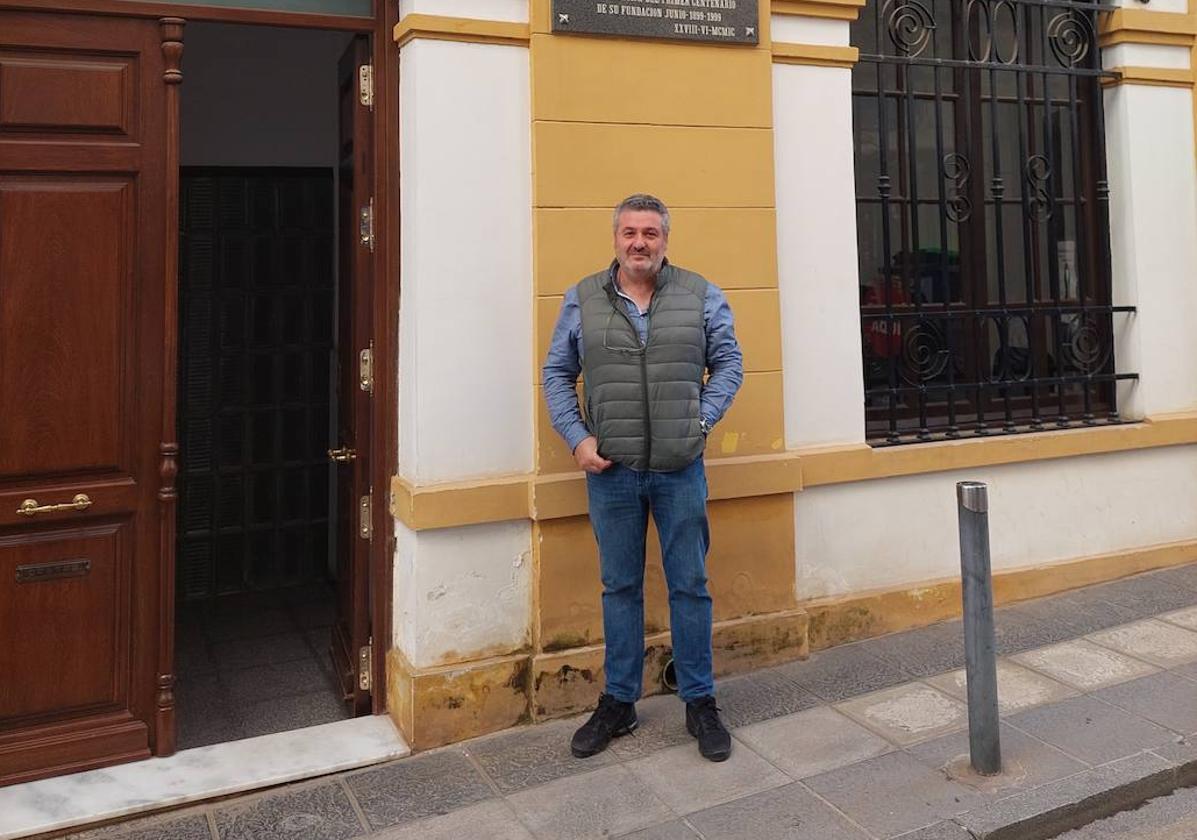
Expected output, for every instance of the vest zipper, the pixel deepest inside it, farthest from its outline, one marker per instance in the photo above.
(621, 305)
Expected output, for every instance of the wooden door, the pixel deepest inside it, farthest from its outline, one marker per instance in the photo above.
(351, 642)
(86, 427)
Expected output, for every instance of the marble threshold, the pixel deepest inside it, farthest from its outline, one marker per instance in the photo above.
(192, 775)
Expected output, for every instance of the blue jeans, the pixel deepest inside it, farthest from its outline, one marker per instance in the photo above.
(620, 501)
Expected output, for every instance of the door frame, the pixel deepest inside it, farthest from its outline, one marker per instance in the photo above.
(385, 292)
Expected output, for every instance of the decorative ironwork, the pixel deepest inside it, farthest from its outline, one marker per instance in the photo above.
(983, 27)
(1038, 173)
(956, 169)
(910, 25)
(1071, 37)
(924, 352)
(985, 301)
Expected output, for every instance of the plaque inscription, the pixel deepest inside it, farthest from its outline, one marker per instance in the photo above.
(719, 21)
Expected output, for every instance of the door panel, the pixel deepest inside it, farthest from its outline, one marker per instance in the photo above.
(79, 578)
(58, 93)
(85, 472)
(351, 631)
(77, 280)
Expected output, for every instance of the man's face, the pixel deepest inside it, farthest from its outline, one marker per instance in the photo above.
(640, 243)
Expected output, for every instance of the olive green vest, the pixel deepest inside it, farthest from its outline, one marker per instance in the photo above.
(642, 402)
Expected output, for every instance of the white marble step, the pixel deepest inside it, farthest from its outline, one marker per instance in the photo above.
(197, 774)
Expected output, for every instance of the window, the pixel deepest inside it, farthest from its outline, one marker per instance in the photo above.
(982, 218)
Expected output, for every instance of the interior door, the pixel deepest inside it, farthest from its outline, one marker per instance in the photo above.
(86, 468)
(351, 643)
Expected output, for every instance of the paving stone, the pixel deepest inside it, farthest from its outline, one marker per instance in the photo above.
(1186, 618)
(842, 672)
(907, 713)
(534, 755)
(1148, 595)
(1084, 665)
(280, 679)
(813, 742)
(236, 654)
(764, 695)
(942, 830)
(283, 714)
(1153, 641)
(923, 652)
(1018, 628)
(1182, 755)
(226, 624)
(1018, 687)
(607, 802)
(1091, 730)
(675, 830)
(785, 813)
(1162, 698)
(312, 813)
(662, 725)
(205, 713)
(1185, 576)
(687, 782)
(1045, 811)
(1077, 613)
(193, 827)
(1026, 762)
(1189, 671)
(494, 820)
(1163, 818)
(422, 786)
(893, 793)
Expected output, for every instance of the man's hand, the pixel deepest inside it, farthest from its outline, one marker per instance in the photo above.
(586, 454)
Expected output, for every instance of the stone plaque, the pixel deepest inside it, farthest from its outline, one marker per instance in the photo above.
(719, 21)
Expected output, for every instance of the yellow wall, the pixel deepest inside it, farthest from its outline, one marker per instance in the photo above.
(691, 123)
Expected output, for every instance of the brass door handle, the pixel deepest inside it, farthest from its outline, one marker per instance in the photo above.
(343, 455)
(30, 507)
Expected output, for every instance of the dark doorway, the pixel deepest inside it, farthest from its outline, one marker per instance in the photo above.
(257, 575)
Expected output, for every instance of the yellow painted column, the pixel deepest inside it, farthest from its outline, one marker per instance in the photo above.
(692, 124)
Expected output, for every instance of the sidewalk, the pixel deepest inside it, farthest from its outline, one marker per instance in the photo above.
(868, 740)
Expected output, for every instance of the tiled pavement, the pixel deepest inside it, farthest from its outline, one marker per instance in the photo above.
(865, 740)
(255, 663)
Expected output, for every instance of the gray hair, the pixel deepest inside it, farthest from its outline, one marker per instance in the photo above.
(642, 201)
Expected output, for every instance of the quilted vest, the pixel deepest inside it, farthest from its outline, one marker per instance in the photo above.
(641, 402)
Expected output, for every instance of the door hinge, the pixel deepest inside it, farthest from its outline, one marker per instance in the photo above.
(365, 85)
(365, 666)
(365, 225)
(365, 521)
(365, 369)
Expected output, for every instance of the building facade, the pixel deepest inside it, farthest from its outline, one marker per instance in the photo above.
(958, 239)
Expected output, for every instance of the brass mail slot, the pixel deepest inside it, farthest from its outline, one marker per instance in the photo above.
(53, 571)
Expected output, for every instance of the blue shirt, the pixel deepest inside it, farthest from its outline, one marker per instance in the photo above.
(563, 365)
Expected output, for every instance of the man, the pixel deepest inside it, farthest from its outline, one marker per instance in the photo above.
(642, 333)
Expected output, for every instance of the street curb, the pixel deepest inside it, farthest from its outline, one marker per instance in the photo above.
(1075, 801)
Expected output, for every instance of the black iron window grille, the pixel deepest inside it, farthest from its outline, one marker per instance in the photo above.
(982, 218)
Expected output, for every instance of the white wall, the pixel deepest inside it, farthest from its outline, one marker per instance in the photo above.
(816, 255)
(795, 29)
(890, 532)
(259, 96)
(1153, 219)
(462, 591)
(515, 11)
(465, 312)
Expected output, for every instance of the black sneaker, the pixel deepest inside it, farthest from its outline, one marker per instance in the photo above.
(702, 721)
(611, 719)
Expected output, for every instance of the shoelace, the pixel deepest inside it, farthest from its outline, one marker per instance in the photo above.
(608, 712)
(706, 717)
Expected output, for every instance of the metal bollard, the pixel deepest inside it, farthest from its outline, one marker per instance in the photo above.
(980, 661)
